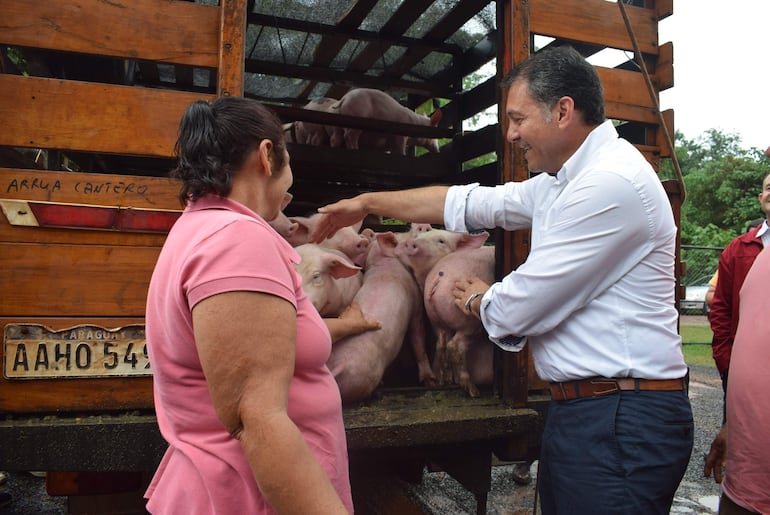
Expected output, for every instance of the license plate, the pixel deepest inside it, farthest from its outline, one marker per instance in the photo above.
(33, 351)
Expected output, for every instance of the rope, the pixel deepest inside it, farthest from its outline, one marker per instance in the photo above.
(654, 97)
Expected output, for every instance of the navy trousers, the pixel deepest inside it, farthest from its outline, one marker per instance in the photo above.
(621, 454)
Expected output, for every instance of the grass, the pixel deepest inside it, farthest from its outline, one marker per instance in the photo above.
(697, 344)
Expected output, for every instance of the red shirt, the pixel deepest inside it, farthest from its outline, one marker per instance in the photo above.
(734, 264)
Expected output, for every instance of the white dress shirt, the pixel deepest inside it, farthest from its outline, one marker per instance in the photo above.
(595, 296)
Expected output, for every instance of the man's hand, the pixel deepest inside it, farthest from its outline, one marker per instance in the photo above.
(464, 289)
(717, 456)
(341, 214)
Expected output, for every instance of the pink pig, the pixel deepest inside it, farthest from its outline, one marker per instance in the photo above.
(422, 250)
(389, 295)
(463, 351)
(329, 279)
(378, 105)
(348, 240)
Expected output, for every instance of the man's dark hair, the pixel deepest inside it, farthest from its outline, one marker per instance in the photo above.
(558, 72)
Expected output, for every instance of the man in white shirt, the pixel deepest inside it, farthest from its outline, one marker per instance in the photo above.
(595, 297)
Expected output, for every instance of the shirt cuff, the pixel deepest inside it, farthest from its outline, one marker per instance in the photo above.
(456, 205)
(507, 342)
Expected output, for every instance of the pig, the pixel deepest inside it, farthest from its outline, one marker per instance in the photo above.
(284, 225)
(378, 105)
(309, 133)
(329, 279)
(421, 250)
(287, 228)
(389, 295)
(349, 240)
(463, 352)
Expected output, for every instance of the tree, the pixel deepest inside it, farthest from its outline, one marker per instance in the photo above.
(722, 181)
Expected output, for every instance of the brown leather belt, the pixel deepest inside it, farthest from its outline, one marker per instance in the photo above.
(601, 386)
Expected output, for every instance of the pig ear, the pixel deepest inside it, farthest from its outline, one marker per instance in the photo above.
(304, 227)
(388, 242)
(435, 117)
(369, 234)
(473, 241)
(286, 199)
(339, 267)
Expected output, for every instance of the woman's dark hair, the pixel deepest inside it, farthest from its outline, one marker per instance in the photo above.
(553, 73)
(215, 139)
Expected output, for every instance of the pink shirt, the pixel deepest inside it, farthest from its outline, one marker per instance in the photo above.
(747, 478)
(216, 246)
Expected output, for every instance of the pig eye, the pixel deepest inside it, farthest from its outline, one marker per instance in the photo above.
(441, 241)
(317, 278)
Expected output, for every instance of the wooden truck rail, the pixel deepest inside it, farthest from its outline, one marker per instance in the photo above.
(90, 116)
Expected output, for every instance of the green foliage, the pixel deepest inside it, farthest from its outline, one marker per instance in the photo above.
(16, 56)
(723, 182)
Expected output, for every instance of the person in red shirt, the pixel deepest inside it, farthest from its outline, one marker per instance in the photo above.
(734, 264)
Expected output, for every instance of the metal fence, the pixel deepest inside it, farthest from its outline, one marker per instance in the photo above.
(701, 264)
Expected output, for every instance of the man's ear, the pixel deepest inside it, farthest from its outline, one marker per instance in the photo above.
(565, 109)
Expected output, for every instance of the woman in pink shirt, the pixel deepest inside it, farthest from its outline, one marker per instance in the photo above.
(252, 415)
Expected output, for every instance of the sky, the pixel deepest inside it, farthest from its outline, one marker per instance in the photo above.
(721, 54)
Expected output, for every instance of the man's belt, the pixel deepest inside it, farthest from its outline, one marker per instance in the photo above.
(601, 386)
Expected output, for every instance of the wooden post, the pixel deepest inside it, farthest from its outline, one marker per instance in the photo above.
(512, 247)
(232, 48)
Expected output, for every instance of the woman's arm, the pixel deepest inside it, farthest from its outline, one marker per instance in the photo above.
(350, 322)
(256, 332)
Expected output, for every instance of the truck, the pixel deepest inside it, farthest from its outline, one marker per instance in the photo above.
(93, 93)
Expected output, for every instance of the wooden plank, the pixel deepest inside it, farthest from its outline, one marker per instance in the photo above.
(61, 395)
(140, 29)
(85, 189)
(60, 114)
(70, 280)
(431, 417)
(479, 98)
(47, 235)
(624, 87)
(665, 146)
(664, 70)
(232, 48)
(594, 21)
(664, 8)
(617, 111)
(473, 144)
(89, 188)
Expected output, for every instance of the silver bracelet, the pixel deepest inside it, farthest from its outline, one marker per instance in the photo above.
(471, 299)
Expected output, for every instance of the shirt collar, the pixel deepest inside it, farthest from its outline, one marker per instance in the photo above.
(601, 134)
(211, 201)
(763, 228)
